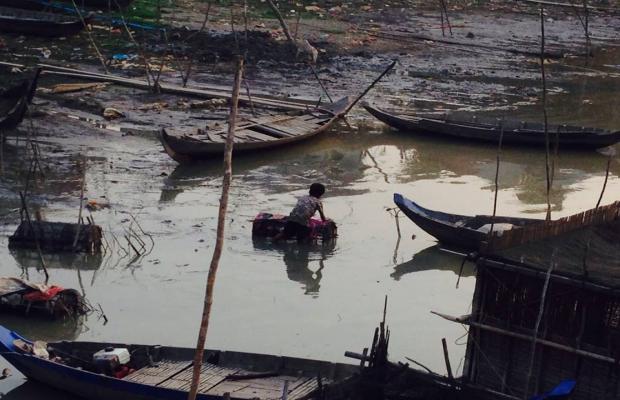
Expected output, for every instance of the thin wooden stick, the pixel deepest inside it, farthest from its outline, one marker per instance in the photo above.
(219, 243)
(544, 105)
(79, 221)
(598, 203)
(316, 75)
(447, 358)
(497, 164)
(90, 37)
(283, 24)
(541, 310)
(388, 69)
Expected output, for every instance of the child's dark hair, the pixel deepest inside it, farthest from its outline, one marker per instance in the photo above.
(317, 190)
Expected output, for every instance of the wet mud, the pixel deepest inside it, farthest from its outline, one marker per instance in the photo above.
(314, 301)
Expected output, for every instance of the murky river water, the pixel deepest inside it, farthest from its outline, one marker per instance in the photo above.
(315, 301)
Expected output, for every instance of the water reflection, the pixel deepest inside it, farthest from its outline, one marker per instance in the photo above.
(433, 258)
(44, 329)
(304, 262)
(343, 160)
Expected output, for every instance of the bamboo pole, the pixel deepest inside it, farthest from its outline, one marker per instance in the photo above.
(541, 311)
(219, 242)
(544, 342)
(544, 105)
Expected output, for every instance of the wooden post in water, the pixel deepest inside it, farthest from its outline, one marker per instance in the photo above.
(544, 105)
(219, 242)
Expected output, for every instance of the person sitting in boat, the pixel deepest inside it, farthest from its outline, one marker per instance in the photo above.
(298, 221)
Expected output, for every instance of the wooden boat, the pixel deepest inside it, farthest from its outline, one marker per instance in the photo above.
(489, 130)
(459, 231)
(253, 134)
(160, 372)
(14, 102)
(36, 23)
(45, 5)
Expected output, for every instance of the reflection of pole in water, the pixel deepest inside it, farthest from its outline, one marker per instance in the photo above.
(376, 164)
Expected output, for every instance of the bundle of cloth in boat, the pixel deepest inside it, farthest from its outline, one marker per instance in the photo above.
(22, 296)
(269, 225)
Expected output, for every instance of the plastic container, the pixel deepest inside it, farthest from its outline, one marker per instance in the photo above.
(119, 355)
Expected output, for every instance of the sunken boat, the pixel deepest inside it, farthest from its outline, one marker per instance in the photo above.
(268, 225)
(490, 130)
(38, 23)
(458, 231)
(18, 296)
(253, 134)
(120, 371)
(57, 236)
(14, 102)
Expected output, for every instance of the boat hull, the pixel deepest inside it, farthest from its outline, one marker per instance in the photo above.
(590, 138)
(452, 229)
(168, 373)
(33, 23)
(15, 102)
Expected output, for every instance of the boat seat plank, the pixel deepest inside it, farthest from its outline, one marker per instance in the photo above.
(158, 373)
(210, 375)
(305, 388)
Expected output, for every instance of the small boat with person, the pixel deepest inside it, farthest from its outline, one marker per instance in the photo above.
(253, 133)
(458, 231)
(38, 23)
(490, 129)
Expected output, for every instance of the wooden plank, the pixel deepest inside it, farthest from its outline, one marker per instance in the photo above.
(262, 388)
(158, 373)
(210, 375)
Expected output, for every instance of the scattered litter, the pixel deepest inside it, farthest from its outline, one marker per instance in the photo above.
(112, 113)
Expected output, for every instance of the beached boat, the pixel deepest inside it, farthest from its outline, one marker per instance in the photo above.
(103, 371)
(489, 130)
(40, 5)
(36, 23)
(459, 231)
(14, 102)
(253, 134)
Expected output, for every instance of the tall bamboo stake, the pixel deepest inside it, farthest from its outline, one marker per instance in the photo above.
(219, 242)
(544, 104)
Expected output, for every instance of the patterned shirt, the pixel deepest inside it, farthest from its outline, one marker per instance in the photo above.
(304, 209)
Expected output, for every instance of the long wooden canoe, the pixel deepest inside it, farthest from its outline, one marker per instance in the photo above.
(458, 231)
(41, 5)
(164, 373)
(14, 102)
(514, 132)
(253, 134)
(36, 23)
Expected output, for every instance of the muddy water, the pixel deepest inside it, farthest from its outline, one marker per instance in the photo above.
(315, 301)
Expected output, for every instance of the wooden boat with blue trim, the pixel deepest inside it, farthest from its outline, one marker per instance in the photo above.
(104, 371)
(489, 130)
(14, 102)
(36, 23)
(458, 231)
(253, 134)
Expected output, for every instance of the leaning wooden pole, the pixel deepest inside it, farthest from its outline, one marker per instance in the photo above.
(219, 242)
